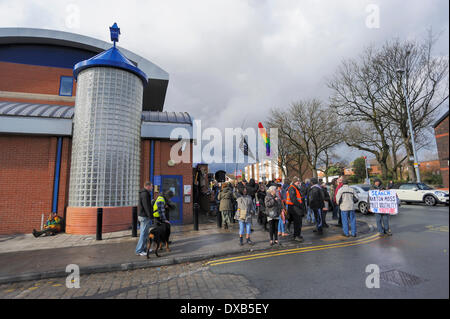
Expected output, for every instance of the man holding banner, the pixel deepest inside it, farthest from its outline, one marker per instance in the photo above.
(383, 203)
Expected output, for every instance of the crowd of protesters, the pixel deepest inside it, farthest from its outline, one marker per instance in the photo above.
(281, 207)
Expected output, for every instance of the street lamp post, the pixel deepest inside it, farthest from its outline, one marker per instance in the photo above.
(367, 172)
(411, 131)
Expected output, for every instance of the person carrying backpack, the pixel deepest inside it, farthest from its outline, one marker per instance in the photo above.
(225, 198)
(346, 198)
(316, 200)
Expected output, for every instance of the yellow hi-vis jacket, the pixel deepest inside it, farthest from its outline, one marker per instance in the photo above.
(155, 206)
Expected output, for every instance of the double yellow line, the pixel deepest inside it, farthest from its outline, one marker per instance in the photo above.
(361, 241)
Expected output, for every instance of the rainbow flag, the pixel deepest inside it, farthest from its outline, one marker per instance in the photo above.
(263, 133)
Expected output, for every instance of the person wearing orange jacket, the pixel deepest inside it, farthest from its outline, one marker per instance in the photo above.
(296, 207)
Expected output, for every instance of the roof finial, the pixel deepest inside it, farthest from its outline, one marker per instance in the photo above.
(115, 31)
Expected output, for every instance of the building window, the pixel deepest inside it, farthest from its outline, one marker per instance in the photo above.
(65, 86)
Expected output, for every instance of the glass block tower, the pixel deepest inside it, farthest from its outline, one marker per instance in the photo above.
(106, 133)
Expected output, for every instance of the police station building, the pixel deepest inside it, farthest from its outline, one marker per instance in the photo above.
(82, 126)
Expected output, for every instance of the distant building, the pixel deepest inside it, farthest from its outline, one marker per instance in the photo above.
(441, 135)
(266, 170)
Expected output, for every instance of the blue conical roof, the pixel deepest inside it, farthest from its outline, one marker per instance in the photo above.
(112, 58)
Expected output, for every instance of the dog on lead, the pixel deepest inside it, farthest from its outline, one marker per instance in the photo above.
(160, 235)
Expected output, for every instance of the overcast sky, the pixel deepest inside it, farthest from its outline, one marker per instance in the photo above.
(233, 60)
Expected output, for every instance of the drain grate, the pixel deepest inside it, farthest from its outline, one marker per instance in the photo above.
(400, 278)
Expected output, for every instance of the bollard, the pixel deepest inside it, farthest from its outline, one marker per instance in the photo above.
(196, 207)
(99, 223)
(134, 219)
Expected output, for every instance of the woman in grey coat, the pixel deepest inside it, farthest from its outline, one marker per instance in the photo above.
(273, 210)
(244, 215)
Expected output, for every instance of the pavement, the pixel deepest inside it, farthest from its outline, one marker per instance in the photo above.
(23, 257)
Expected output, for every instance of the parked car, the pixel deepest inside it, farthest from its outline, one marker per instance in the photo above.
(362, 192)
(420, 193)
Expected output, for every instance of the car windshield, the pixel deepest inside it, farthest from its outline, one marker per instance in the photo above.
(366, 188)
(425, 187)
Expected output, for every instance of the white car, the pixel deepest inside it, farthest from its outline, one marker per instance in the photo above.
(420, 193)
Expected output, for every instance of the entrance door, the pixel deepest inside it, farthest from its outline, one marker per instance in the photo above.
(175, 184)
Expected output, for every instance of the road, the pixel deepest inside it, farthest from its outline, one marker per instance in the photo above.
(413, 263)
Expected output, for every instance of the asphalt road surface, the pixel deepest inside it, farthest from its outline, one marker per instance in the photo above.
(413, 263)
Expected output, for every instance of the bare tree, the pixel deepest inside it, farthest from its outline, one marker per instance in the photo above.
(305, 126)
(426, 87)
(367, 92)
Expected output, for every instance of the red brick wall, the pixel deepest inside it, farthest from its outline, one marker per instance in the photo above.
(441, 133)
(27, 166)
(16, 77)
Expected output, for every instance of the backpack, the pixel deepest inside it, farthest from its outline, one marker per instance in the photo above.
(355, 199)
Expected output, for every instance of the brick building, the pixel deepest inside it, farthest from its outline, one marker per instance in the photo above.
(37, 98)
(441, 135)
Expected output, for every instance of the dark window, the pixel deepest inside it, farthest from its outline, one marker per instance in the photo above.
(65, 86)
(424, 187)
(408, 186)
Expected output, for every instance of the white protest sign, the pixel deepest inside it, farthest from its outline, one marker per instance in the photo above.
(383, 202)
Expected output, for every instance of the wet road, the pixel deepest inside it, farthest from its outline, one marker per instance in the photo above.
(413, 263)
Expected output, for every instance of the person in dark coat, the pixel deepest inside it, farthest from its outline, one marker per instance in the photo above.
(261, 206)
(145, 216)
(240, 188)
(328, 204)
(252, 188)
(296, 207)
(316, 200)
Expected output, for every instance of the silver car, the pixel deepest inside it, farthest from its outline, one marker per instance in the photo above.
(362, 192)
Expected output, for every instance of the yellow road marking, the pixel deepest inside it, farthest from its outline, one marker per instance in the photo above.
(291, 251)
(57, 285)
(333, 238)
(433, 228)
(294, 249)
(33, 288)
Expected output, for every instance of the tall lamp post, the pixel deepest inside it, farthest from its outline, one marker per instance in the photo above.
(367, 171)
(402, 72)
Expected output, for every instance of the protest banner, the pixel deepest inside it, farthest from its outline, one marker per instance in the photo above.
(383, 202)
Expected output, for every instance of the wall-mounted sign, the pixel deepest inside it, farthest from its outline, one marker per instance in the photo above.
(187, 190)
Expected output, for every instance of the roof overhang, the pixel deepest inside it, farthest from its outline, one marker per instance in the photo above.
(56, 120)
(35, 126)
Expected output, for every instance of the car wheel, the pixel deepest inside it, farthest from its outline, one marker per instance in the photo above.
(429, 200)
(363, 208)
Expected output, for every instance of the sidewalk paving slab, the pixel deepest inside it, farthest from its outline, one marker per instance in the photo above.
(24, 257)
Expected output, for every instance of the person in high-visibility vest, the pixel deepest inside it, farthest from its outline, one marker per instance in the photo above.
(296, 207)
(162, 203)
